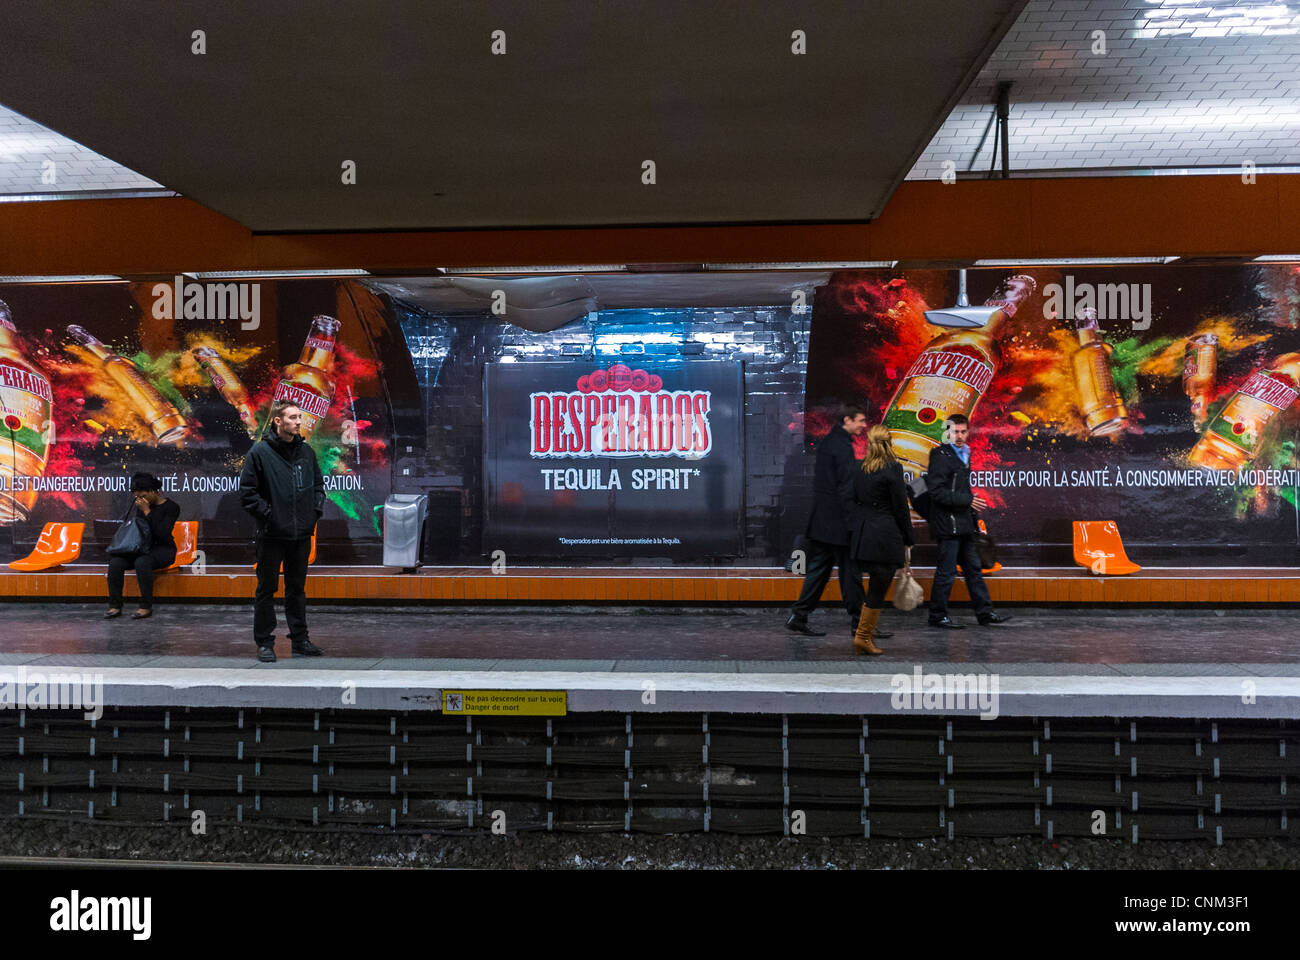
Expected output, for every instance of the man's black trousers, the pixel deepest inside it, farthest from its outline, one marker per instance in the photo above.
(954, 551)
(820, 558)
(271, 554)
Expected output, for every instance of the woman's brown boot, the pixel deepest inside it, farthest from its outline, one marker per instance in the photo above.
(862, 640)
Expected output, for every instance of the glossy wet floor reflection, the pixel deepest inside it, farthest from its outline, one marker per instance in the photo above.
(612, 634)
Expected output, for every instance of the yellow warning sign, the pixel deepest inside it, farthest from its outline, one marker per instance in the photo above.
(506, 703)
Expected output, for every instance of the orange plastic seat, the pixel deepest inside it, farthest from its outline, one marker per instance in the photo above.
(59, 543)
(996, 566)
(311, 557)
(186, 535)
(1097, 546)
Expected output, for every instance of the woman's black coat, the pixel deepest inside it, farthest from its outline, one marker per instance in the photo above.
(880, 525)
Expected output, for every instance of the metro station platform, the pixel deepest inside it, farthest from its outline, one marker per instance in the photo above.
(1186, 663)
(676, 585)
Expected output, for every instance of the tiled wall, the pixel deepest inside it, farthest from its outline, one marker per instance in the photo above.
(772, 342)
(1179, 85)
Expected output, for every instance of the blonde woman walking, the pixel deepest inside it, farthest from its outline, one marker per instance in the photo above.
(880, 529)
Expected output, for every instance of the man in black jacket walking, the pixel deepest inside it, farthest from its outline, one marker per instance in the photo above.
(282, 487)
(953, 507)
(827, 535)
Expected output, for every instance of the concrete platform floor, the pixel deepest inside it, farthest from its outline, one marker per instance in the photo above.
(1045, 663)
(602, 639)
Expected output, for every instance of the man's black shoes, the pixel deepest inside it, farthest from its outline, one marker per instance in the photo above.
(986, 620)
(799, 625)
(946, 624)
(302, 648)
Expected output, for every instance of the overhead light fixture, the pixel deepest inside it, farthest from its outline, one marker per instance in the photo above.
(1278, 258)
(578, 268)
(86, 195)
(1073, 261)
(275, 274)
(81, 278)
(808, 265)
(963, 314)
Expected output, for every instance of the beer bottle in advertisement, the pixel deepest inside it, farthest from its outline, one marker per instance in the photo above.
(950, 376)
(228, 385)
(1235, 436)
(309, 383)
(1100, 404)
(1200, 369)
(26, 404)
(166, 422)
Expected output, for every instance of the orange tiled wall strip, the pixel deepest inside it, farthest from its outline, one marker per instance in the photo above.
(574, 588)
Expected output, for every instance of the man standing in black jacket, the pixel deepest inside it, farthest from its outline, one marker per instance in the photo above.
(282, 487)
(827, 535)
(953, 507)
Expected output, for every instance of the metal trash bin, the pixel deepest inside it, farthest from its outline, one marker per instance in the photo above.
(404, 515)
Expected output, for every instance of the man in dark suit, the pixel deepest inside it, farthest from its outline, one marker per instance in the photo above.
(953, 507)
(826, 542)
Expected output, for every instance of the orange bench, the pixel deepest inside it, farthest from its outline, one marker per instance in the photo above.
(1097, 546)
(59, 543)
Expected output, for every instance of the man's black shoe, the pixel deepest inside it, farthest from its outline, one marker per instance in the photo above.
(266, 654)
(946, 624)
(989, 618)
(306, 648)
(800, 625)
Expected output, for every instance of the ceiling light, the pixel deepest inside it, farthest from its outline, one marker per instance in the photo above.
(1278, 258)
(807, 265)
(1073, 261)
(579, 268)
(276, 274)
(82, 278)
(87, 195)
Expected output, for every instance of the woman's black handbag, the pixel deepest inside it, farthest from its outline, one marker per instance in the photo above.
(132, 537)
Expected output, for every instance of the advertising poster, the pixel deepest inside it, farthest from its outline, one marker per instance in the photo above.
(100, 380)
(583, 460)
(1163, 398)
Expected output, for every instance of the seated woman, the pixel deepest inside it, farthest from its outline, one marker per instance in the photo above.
(880, 529)
(161, 515)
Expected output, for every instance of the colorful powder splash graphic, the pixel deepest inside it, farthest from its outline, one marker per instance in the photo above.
(92, 411)
(342, 442)
(1033, 400)
(1276, 452)
(107, 411)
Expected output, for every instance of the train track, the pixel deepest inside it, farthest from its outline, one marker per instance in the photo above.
(95, 863)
